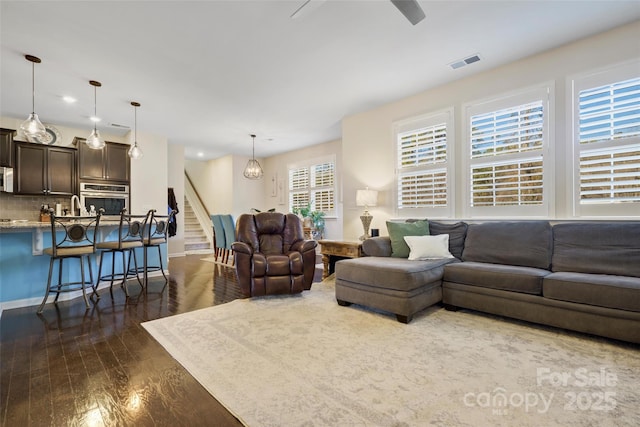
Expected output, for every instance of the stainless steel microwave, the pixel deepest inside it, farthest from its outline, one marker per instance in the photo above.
(6, 180)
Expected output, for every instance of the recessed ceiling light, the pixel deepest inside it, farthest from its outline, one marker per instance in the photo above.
(95, 119)
(200, 154)
(69, 99)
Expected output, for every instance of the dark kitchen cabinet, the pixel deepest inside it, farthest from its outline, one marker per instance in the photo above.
(42, 169)
(6, 147)
(110, 163)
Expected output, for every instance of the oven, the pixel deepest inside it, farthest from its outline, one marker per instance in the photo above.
(111, 197)
(6, 180)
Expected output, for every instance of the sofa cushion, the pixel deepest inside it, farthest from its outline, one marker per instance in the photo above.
(428, 247)
(601, 290)
(377, 246)
(599, 248)
(391, 273)
(522, 243)
(526, 280)
(397, 231)
(456, 231)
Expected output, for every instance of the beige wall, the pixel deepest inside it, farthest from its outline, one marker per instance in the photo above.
(367, 138)
(175, 169)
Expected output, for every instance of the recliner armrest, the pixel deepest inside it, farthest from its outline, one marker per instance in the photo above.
(303, 246)
(241, 247)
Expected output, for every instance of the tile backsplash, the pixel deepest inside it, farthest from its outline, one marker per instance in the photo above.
(13, 206)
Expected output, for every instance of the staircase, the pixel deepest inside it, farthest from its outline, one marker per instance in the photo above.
(195, 240)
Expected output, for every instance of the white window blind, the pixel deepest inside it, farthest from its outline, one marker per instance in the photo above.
(499, 133)
(423, 167)
(508, 151)
(608, 141)
(610, 112)
(313, 185)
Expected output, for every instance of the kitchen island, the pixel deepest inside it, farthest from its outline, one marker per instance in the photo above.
(24, 268)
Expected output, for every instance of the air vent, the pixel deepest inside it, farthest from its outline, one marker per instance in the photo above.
(116, 125)
(466, 61)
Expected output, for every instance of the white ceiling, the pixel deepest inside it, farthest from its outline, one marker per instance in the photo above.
(209, 73)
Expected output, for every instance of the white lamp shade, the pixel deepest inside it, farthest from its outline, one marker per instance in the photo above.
(366, 197)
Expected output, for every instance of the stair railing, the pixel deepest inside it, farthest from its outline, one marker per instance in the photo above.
(203, 216)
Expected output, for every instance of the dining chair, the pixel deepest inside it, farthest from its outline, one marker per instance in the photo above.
(72, 237)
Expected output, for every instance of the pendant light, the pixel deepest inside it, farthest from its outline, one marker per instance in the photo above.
(135, 152)
(32, 127)
(253, 169)
(94, 141)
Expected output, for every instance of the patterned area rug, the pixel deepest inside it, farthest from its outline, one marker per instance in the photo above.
(305, 361)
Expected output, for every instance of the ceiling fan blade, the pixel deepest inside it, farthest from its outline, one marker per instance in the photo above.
(306, 8)
(410, 9)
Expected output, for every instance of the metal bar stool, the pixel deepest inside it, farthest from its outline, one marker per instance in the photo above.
(155, 234)
(71, 237)
(130, 231)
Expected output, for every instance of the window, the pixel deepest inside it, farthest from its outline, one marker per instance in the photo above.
(423, 153)
(508, 151)
(607, 142)
(313, 185)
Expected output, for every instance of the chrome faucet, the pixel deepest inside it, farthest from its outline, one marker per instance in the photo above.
(73, 212)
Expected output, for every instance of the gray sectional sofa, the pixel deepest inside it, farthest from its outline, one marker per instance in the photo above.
(579, 276)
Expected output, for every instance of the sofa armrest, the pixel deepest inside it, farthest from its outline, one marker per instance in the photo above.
(377, 246)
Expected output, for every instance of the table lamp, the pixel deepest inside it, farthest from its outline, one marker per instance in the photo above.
(366, 198)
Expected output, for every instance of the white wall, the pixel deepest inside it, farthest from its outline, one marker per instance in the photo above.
(175, 169)
(149, 177)
(367, 139)
(276, 168)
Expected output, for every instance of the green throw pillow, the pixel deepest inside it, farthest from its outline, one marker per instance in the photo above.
(397, 231)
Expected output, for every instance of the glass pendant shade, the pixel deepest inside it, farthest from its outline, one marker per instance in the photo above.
(253, 170)
(33, 127)
(135, 152)
(94, 141)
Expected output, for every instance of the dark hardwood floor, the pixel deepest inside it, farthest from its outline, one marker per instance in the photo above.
(71, 367)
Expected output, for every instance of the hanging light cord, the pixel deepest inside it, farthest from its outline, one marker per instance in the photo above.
(95, 108)
(33, 87)
(135, 125)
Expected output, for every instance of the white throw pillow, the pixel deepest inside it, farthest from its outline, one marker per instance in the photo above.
(428, 247)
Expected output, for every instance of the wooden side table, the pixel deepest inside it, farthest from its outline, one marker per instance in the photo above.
(335, 250)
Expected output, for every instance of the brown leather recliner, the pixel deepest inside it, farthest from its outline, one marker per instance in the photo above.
(271, 254)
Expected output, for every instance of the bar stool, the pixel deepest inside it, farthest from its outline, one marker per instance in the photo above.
(71, 237)
(155, 234)
(130, 231)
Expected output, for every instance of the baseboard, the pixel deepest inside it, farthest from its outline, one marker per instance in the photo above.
(27, 302)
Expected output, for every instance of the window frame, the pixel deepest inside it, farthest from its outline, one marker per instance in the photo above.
(413, 124)
(544, 92)
(309, 164)
(585, 81)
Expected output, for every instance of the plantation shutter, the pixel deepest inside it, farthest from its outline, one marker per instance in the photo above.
(313, 185)
(506, 152)
(609, 143)
(422, 167)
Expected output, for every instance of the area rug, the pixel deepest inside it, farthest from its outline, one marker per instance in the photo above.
(305, 361)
